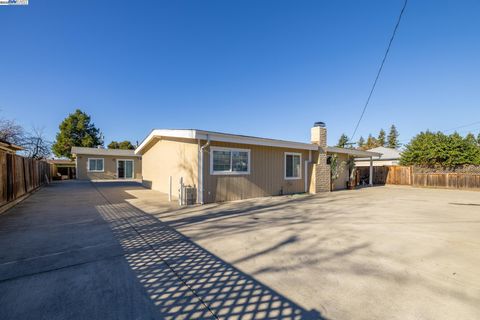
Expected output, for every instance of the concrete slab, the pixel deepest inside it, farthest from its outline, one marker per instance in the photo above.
(77, 250)
(61, 259)
(375, 253)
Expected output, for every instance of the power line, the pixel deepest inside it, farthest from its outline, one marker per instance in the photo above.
(380, 69)
(474, 130)
(463, 126)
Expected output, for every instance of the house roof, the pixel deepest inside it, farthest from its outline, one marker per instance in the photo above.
(386, 153)
(222, 137)
(102, 151)
(5, 145)
(61, 162)
(353, 152)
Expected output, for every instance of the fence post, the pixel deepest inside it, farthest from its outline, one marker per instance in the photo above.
(410, 176)
(25, 187)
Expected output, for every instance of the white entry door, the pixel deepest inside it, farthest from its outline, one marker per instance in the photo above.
(125, 169)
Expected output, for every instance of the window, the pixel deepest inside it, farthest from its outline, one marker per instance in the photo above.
(124, 169)
(229, 161)
(95, 165)
(293, 165)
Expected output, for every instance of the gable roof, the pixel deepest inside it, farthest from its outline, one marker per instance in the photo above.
(222, 137)
(102, 152)
(386, 153)
(353, 152)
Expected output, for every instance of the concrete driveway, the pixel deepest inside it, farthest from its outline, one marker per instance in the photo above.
(77, 250)
(375, 253)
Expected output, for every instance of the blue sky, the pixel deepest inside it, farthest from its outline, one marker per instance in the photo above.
(266, 68)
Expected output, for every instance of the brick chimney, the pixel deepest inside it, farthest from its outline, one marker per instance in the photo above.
(320, 181)
(318, 134)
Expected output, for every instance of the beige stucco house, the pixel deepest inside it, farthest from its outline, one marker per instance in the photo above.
(107, 164)
(224, 167)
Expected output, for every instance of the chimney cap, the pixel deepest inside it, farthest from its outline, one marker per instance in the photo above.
(319, 124)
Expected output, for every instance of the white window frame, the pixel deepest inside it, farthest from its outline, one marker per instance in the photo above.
(230, 172)
(285, 166)
(133, 169)
(88, 164)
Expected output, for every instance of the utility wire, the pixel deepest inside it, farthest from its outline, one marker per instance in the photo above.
(474, 130)
(460, 127)
(380, 69)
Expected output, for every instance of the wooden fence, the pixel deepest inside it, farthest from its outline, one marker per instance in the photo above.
(387, 175)
(466, 181)
(19, 176)
(400, 175)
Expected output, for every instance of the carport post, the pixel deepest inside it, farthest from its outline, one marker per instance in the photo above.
(370, 176)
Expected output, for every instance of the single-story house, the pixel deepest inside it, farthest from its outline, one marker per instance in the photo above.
(106, 164)
(62, 169)
(223, 167)
(387, 157)
(9, 147)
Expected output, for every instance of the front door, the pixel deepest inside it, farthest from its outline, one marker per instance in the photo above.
(125, 169)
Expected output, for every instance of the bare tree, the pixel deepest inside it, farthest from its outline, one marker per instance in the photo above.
(12, 132)
(36, 146)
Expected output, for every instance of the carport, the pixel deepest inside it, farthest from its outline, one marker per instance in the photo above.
(346, 155)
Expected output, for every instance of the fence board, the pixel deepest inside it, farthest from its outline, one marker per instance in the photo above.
(388, 175)
(3, 178)
(19, 176)
(400, 175)
(464, 181)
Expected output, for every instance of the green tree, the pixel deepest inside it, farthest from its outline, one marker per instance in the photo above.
(342, 142)
(381, 138)
(470, 137)
(371, 142)
(125, 145)
(361, 142)
(478, 139)
(76, 130)
(438, 149)
(392, 138)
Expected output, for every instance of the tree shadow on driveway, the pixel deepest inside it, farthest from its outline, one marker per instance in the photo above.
(186, 281)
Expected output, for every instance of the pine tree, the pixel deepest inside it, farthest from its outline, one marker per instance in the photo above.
(76, 130)
(381, 138)
(342, 142)
(371, 142)
(361, 142)
(393, 138)
(470, 137)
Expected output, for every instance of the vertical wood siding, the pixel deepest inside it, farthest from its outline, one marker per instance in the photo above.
(266, 176)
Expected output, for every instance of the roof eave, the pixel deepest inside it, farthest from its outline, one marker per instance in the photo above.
(353, 152)
(220, 137)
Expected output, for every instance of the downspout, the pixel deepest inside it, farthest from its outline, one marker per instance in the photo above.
(307, 162)
(200, 182)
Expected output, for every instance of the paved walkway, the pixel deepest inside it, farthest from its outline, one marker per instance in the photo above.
(77, 250)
